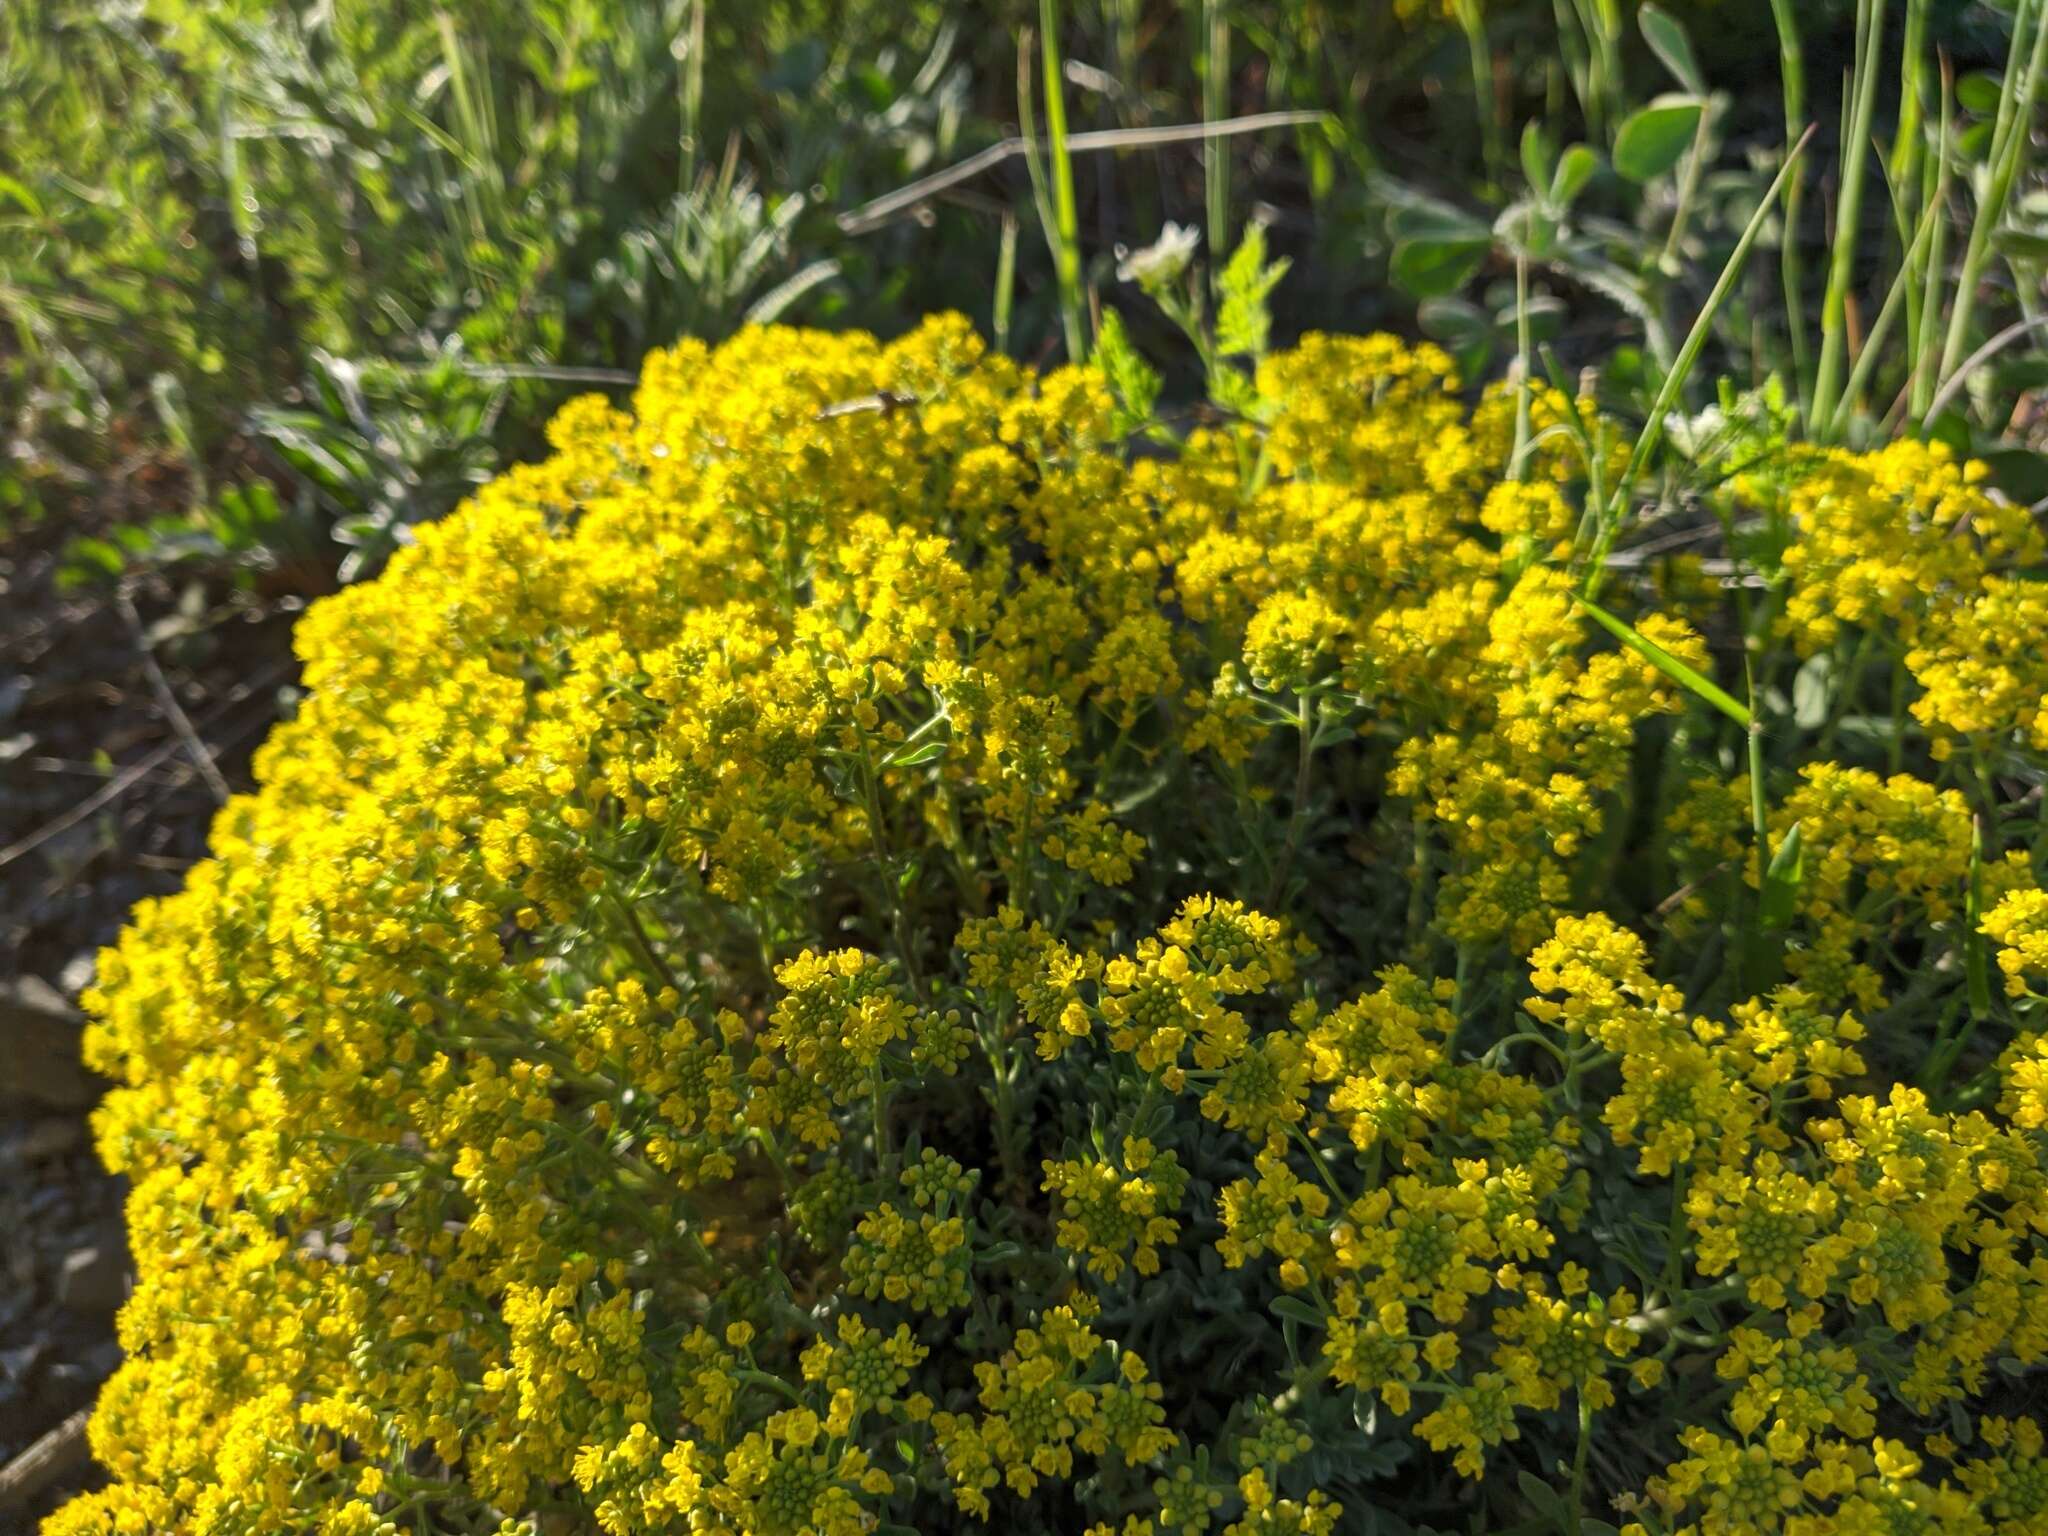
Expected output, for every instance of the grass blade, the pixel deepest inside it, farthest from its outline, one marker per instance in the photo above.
(1065, 234)
(1006, 283)
(1034, 152)
(1792, 68)
(1926, 335)
(1215, 108)
(690, 95)
(1902, 285)
(1678, 671)
(1782, 879)
(1834, 329)
(1674, 379)
(2008, 149)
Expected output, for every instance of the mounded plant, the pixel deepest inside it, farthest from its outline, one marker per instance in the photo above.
(876, 945)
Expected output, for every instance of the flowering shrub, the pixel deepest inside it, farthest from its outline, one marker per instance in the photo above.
(848, 955)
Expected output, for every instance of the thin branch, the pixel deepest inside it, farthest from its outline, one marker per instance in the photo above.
(1976, 360)
(168, 701)
(111, 791)
(126, 780)
(553, 373)
(874, 214)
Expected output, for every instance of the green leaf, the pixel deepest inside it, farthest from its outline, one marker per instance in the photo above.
(1653, 139)
(1234, 390)
(1539, 156)
(1978, 93)
(86, 558)
(1667, 39)
(1976, 970)
(775, 303)
(1463, 329)
(1543, 1498)
(1295, 1310)
(1813, 692)
(1574, 170)
(1528, 226)
(1452, 321)
(1546, 318)
(2019, 472)
(2025, 244)
(1133, 381)
(1431, 220)
(18, 192)
(1428, 269)
(1669, 664)
(1953, 428)
(1243, 321)
(917, 756)
(1782, 881)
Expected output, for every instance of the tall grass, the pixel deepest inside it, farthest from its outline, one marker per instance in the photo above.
(1064, 232)
(562, 191)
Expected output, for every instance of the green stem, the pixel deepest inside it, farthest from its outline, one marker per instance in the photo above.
(637, 941)
(2014, 127)
(1297, 817)
(1674, 1241)
(1215, 108)
(1518, 462)
(1674, 380)
(1578, 1511)
(1315, 1161)
(1472, 21)
(1926, 338)
(1909, 156)
(1006, 283)
(1866, 361)
(1834, 335)
(1530, 1037)
(1067, 234)
(1688, 188)
(1757, 814)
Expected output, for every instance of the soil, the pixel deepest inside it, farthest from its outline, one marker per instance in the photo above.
(102, 803)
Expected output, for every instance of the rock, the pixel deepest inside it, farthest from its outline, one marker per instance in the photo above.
(94, 1279)
(17, 1366)
(101, 1361)
(39, 1042)
(78, 972)
(51, 1137)
(19, 1424)
(71, 1384)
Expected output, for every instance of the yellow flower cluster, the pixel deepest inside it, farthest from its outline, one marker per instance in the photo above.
(844, 954)
(1116, 1215)
(1902, 539)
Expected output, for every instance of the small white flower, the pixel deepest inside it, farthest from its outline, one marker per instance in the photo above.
(1159, 264)
(1691, 434)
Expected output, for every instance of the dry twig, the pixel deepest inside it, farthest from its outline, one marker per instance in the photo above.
(168, 701)
(874, 214)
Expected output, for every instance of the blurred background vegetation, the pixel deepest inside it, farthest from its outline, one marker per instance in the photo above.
(278, 279)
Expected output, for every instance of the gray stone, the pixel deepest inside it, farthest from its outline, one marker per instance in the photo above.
(53, 1136)
(18, 1365)
(94, 1279)
(39, 1048)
